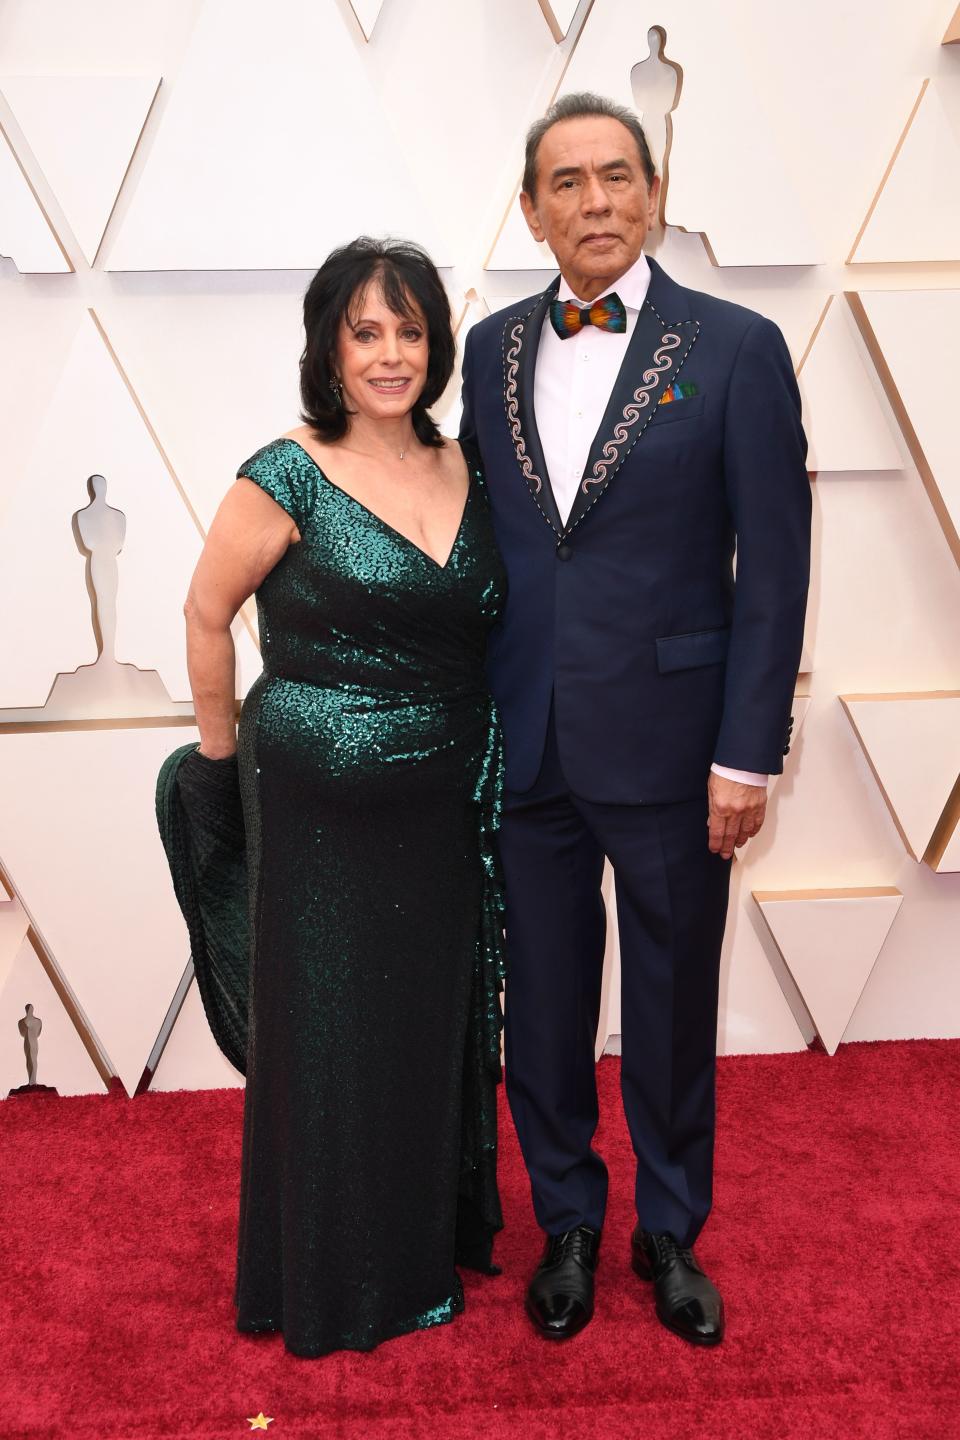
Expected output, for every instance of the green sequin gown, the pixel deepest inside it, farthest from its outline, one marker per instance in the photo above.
(369, 768)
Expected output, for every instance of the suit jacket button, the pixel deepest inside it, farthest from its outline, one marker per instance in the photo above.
(564, 551)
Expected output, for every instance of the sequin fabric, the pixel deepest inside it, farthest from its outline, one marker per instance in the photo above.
(371, 776)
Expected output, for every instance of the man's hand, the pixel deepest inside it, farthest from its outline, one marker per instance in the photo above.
(736, 813)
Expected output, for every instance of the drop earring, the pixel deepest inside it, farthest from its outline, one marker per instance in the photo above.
(337, 392)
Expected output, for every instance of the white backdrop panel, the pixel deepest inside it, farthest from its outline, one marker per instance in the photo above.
(559, 15)
(26, 235)
(79, 839)
(925, 380)
(367, 13)
(217, 374)
(93, 427)
(83, 130)
(485, 69)
(917, 213)
(34, 342)
(291, 127)
(42, 572)
(830, 940)
(950, 859)
(844, 409)
(913, 742)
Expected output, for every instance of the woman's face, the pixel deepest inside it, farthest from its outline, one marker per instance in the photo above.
(381, 359)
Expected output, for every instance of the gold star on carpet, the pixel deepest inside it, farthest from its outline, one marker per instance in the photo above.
(259, 1422)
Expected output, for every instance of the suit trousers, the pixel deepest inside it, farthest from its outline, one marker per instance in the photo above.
(671, 911)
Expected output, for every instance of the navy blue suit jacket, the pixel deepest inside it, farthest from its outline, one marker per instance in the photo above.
(628, 616)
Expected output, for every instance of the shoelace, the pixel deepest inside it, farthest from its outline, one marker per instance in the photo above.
(667, 1250)
(573, 1244)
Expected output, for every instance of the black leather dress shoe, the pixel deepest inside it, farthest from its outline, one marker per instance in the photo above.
(560, 1295)
(686, 1302)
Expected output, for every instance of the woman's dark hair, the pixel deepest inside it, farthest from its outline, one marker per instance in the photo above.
(408, 280)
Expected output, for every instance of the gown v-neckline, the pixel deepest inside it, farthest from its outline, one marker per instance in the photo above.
(385, 524)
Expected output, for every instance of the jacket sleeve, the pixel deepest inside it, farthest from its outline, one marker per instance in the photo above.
(468, 426)
(768, 494)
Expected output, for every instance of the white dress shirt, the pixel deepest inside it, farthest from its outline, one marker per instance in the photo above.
(574, 380)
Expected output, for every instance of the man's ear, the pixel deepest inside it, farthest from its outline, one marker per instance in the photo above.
(653, 191)
(530, 215)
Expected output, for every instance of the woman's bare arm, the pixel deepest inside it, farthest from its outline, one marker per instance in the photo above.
(249, 534)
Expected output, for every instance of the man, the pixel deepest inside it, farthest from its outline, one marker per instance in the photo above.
(635, 434)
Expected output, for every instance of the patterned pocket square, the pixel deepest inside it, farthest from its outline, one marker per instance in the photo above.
(678, 391)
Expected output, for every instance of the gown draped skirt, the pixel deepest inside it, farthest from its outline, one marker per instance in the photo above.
(369, 772)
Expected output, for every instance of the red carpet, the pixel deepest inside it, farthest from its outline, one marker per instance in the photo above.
(834, 1239)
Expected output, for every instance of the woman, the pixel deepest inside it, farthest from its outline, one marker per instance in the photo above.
(369, 771)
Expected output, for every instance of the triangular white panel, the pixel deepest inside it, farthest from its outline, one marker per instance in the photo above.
(830, 940)
(62, 1059)
(913, 745)
(559, 15)
(297, 154)
(94, 427)
(190, 1059)
(367, 13)
(916, 215)
(79, 838)
(484, 70)
(83, 130)
(950, 859)
(26, 235)
(845, 422)
(179, 353)
(923, 384)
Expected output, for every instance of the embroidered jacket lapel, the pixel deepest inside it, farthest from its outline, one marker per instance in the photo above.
(521, 345)
(654, 358)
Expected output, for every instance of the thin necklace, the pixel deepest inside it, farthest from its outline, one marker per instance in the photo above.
(366, 454)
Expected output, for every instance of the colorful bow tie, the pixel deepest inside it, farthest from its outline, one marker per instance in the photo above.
(610, 313)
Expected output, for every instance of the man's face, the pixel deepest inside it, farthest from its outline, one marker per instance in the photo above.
(593, 205)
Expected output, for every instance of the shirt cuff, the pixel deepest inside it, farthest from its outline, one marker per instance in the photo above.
(742, 777)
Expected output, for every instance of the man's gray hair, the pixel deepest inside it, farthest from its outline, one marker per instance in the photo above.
(578, 107)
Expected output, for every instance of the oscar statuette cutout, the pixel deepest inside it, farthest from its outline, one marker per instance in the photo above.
(30, 1027)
